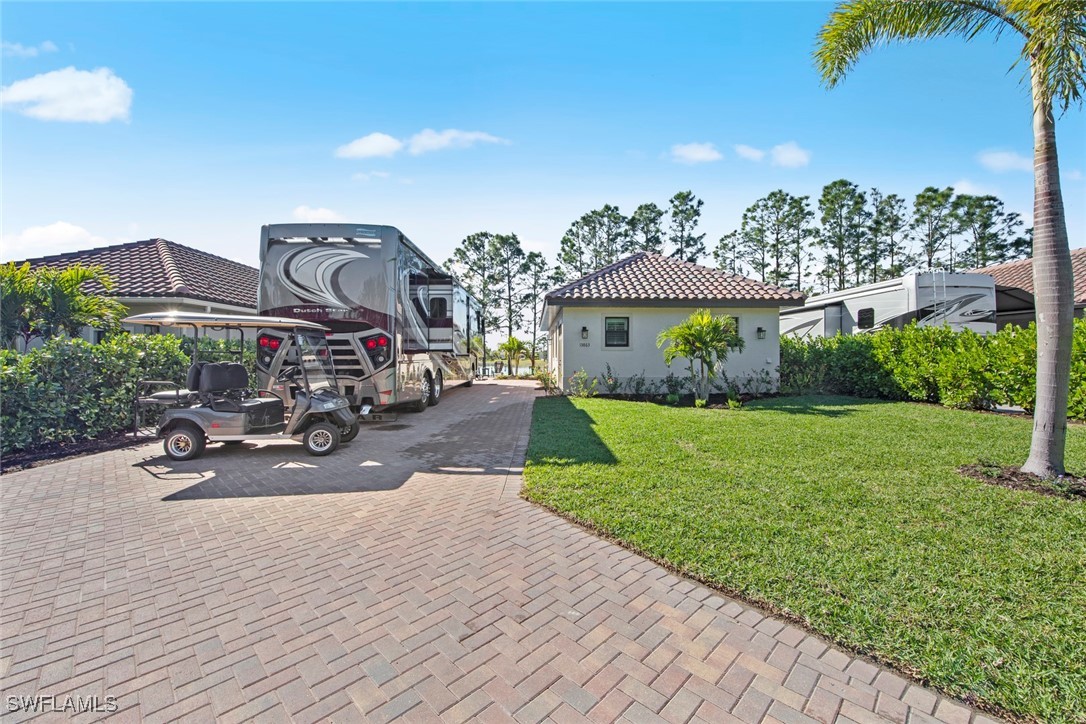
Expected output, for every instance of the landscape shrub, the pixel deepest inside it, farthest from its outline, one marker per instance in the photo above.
(611, 381)
(69, 389)
(581, 386)
(1076, 403)
(1013, 355)
(911, 356)
(549, 382)
(964, 374)
(930, 364)
(845, 364)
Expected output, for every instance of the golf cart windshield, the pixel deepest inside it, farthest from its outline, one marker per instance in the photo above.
(316, 359)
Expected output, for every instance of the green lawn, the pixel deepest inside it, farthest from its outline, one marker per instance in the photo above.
(850, 515)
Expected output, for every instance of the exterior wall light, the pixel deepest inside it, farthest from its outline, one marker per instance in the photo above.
(584, 332)
(761, 332)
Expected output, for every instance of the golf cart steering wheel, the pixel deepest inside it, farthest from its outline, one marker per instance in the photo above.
(287, 373)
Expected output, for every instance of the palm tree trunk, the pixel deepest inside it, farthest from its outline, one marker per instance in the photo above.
(1053, 285)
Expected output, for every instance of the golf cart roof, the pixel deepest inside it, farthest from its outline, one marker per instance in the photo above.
(200, 320)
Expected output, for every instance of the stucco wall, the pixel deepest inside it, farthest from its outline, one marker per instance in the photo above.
(643, 356)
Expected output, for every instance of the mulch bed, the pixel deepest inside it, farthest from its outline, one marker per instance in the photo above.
(1069, 486)
(54, 452)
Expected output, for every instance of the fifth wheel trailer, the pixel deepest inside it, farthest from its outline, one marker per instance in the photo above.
(401, 325)
(962, 301)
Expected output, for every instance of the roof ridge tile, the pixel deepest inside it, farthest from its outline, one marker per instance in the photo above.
(177, 282)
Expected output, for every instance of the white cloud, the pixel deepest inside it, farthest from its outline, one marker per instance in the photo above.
(96, 96)
(1000, 161)
(965, 186)
(371, 146)
(430, 140)
(18, 50)
(749, 152)
(691, 153)
(369, 176)
(789, 155)
(1074, 175)
(55, 238)
(383, 145)
(320, 215)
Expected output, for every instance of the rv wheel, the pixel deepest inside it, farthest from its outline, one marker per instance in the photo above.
(184, 442)
(437, 388)
(471, 378)
(321, 438)
(424, 394)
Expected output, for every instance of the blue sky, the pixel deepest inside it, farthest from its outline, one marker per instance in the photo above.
(200, 122)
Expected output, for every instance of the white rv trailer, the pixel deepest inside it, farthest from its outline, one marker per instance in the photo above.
(401, 325)
(962, 301)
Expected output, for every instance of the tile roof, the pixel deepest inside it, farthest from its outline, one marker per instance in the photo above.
(650, 277)
(161, 268)
(1020, 274)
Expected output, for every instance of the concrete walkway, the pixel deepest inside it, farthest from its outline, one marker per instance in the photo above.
(399, 577)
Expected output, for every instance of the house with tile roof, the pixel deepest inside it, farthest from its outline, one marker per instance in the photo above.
(613, 316)
(1014, 288)
(156, 274)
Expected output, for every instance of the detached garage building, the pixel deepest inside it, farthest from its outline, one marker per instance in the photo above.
(613, 316)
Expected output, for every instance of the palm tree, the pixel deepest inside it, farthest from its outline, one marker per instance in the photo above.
(47, 302)
(1053, 36)
(514, 351)
(17, 303)
(704, 339)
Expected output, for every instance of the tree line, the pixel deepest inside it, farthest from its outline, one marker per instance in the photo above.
(509, 284)
(847, 238)
(868, 236)
(603, 236)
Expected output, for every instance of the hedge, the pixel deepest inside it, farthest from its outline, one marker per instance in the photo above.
(930, 364)
(69, 389)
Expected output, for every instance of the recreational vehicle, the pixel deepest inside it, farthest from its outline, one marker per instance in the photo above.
(962, 301)
(401, 326)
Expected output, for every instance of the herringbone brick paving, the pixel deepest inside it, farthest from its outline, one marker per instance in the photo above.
(400, 578)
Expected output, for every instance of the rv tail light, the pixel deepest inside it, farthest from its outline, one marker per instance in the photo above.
(262, 340)
(382, 341)
(371, 343)
(273, 344)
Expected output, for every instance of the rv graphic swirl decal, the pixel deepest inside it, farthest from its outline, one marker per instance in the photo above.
(312, 274)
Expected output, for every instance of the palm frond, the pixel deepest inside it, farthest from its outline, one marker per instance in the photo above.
(1056, 46)
(858, 26)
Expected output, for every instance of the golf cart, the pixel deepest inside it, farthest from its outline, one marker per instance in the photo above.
(218, 404)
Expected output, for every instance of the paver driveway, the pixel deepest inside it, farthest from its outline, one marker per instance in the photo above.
(401, 575)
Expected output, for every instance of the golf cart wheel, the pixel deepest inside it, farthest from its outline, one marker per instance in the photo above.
(184, 442)
(436, 389)
(321, 438)
(348, 432)
(424, 394)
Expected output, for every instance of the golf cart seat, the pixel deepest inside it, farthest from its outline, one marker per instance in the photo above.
(225, 387)
(187, 395)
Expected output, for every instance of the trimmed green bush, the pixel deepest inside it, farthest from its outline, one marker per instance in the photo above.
(845, 364)
(69, 389)
(930, 364)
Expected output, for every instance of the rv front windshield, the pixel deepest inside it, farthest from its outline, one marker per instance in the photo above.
(316, 359)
